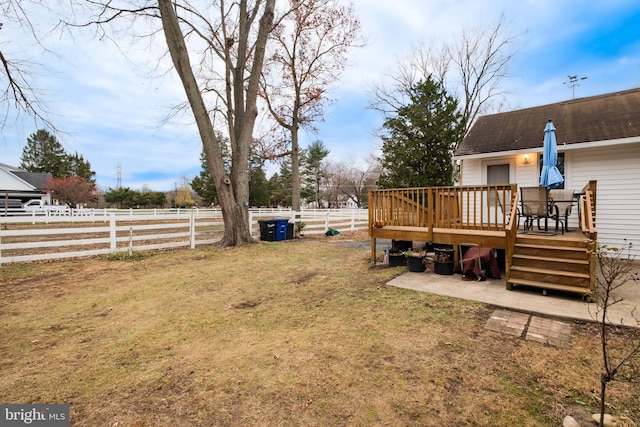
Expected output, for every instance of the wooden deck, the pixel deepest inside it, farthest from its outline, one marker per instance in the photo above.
(487, 216)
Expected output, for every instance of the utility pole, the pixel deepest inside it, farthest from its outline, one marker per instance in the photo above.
(572, 83)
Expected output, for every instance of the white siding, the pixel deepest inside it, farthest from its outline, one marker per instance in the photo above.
(616, 168)
(618, 191)
(9, 181)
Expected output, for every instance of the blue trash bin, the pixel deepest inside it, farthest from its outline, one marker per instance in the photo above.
(280, 232)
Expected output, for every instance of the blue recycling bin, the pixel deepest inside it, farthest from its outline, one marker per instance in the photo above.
(280, 232)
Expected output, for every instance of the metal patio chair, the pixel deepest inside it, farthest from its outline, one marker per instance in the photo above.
(563, 200)
(536, 206)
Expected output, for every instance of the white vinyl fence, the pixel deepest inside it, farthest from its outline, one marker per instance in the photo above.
(97, 232)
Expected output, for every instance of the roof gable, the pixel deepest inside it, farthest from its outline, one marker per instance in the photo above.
(597, 118)
(39, 180)
(15, 179)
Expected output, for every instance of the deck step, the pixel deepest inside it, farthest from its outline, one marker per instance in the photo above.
(551, 264)
(550, 259)
(547, 271)
(552, 248)
(545, 285)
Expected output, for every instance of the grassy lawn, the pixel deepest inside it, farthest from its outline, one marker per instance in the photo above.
(302, 332)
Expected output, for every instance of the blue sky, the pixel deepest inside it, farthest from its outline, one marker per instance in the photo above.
(112, 111)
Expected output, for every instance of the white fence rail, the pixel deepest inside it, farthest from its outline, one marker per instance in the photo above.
(99, 232)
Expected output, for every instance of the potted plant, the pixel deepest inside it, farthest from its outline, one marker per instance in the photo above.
(415, 260)
(299, 227)
(396, 257)
(443, 261)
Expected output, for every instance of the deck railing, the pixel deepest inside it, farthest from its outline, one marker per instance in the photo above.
(588, 210)
(484, 207)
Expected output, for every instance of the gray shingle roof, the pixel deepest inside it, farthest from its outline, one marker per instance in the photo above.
(597, 118)
(37, 179)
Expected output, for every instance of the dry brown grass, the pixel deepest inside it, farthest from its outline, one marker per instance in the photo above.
(293, 333)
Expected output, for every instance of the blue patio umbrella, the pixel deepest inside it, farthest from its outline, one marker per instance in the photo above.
(550, 176)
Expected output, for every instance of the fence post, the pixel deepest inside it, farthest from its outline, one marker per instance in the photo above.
(112, 232)
(326, 222)
(250, 217)
(192, 230)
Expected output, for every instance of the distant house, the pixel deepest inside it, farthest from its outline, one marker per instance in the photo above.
(598, 139)
(19, 184)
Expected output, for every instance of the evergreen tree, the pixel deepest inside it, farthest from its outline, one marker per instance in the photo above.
(125, 197)
(80, 167)
(203, 184)
(418, 141)
(258, 184)
(44, 153)
(280, 184)
(313, 170)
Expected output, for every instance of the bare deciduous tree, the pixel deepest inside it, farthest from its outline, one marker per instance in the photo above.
(481, 59)
(354, 183)
(621, 364)
(310, 51)
(243, 65)
(229, 39)
(16, 77)
(472, 67)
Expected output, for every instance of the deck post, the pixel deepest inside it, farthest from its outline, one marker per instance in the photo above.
(373, 250)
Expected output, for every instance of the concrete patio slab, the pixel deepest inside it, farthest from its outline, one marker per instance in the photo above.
(554, 304)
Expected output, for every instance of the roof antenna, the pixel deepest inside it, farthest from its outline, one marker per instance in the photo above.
(572, 83)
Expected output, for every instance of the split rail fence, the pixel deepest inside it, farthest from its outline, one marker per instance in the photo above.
(90, 232)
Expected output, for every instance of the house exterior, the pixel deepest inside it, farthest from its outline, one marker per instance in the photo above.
(598, 140)
(19, 184)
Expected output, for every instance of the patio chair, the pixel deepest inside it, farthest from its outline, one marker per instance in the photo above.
(563, 200)
(505, 206)
(536, 206)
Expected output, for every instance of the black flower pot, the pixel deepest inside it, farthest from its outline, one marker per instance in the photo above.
(397, 259)
(443, 268)
(416, 264)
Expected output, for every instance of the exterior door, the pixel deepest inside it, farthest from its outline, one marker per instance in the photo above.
(498, 174)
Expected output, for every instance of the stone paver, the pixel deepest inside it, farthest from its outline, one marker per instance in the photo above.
(508, 322)
(549, 331)
(533, 328)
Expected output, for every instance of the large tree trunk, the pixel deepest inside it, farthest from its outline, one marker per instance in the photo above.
(233, 191)
(295, 170)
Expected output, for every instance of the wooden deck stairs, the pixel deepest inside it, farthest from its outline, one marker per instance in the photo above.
(558, 264)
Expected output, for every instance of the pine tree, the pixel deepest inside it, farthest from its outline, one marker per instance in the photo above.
(418, 141)
(313, 170)
(203, 184)
(280, 184)
(80, 167)
(258, 183)
(44, 153)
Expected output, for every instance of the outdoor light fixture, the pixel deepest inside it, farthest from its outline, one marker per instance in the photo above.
(526, 159)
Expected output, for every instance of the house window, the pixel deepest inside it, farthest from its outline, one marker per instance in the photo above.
(498, 174)
(559, 165)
